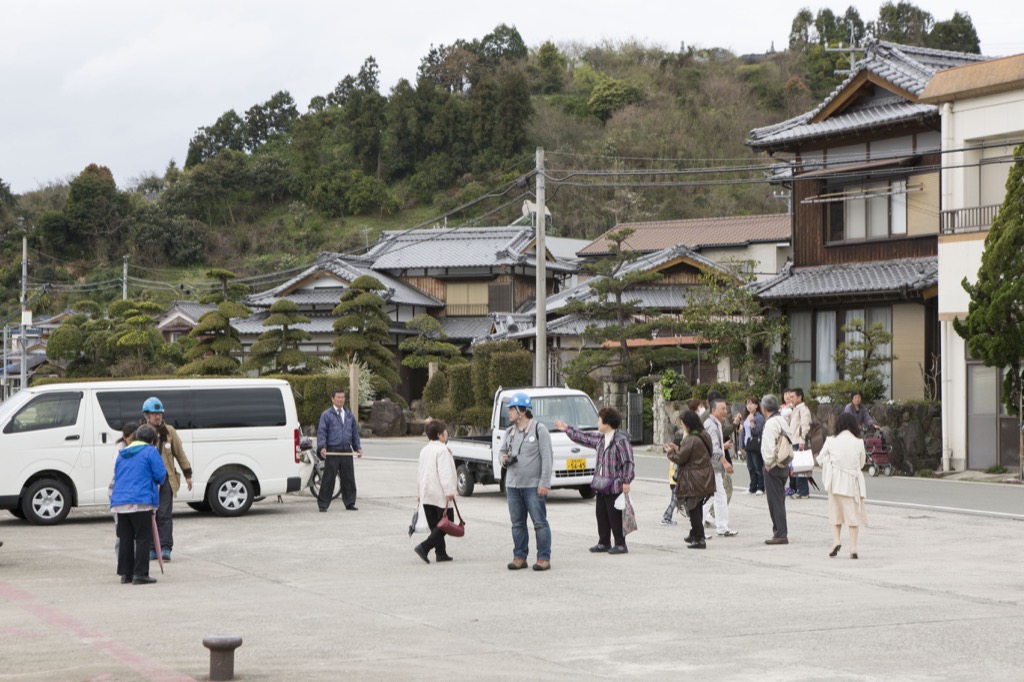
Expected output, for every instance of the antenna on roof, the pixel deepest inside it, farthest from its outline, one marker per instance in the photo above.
(852, 49)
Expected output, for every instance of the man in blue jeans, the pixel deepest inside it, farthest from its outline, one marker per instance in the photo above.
(529, 461)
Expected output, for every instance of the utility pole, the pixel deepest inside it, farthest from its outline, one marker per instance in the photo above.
(24, 298)
(124, 280)
(540, 368)
(852, 49)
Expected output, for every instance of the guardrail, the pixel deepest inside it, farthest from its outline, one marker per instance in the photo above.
(972, 219)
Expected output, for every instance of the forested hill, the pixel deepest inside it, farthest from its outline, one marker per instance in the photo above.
(266, 188)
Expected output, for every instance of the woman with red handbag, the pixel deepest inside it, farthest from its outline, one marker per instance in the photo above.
(436, 482)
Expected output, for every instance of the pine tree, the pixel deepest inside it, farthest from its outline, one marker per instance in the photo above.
(429, 345)
(362, 329)
(278, 347)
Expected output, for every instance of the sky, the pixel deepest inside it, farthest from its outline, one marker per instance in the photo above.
(125, 84)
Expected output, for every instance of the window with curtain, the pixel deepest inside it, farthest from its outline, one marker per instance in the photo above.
(883, 315)
(825, 371)
(800, 331)
(875, 210)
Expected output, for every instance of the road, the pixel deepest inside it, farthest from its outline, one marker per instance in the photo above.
(989, 499)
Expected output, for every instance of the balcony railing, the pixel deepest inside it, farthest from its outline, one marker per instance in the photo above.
(973, 219)
(464, 309)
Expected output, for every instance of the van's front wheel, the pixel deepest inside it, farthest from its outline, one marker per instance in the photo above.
(46, 502)
(465, 481)
(231, 494)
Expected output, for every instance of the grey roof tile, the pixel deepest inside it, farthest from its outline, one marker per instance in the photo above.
(881, 277)
(467, 328)
(903, 66)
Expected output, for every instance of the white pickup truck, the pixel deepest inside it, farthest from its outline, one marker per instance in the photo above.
(477, 457)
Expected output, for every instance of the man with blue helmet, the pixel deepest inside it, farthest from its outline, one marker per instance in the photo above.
(528, 459)
(171, 450)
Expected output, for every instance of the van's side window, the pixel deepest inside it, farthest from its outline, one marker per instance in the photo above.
(226, 408)
(125, 407)
(48, 411)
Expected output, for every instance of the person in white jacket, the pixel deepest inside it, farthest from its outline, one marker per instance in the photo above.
(436, 482)
(841, 459)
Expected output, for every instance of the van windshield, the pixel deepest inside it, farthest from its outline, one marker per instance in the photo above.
(574, 410)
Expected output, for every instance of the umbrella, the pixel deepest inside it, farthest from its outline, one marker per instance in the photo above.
(156, 543)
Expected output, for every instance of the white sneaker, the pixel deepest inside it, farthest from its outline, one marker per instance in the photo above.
(759, 492)
(669, 522)
(750, 492)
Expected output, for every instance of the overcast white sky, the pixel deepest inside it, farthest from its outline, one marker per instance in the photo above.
(125, 83)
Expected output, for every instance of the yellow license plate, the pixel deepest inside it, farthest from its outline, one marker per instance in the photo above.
(576, 464)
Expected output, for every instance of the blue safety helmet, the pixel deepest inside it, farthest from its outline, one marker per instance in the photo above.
(152, 405)
(520, 401)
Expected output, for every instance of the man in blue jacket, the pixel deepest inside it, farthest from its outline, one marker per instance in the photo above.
(338, 433)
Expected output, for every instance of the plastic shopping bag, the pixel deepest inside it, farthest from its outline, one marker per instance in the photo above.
(628, 517)
(419, 522)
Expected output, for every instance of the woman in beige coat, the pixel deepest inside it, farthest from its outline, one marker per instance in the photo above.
(841, 459)
(436, 483)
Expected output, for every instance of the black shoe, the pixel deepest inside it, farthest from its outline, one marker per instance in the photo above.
(143, 580)
(421, 552)
(619, 549)
(125, 579)
(697, 544)
(688, 539)
(442, 557)
(323, 509)
(351, 507)
(599, 548)
(835, 550)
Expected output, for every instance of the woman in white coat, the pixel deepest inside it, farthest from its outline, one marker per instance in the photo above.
(841, 459)
(436, 482)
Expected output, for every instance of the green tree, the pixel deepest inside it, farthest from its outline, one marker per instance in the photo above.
(362, 329)
(278, 347)
(800, 30)
(135, 343)
(862, 359)
(994, 326)
(611, 313)
(429, 345)
(7, 203)
(904, 23)
(550, 69)
(609, 95)
(957, 34)
(96, 211)
(217, 342)
(726, 315)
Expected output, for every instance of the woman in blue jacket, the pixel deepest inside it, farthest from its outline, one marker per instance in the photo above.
(138, 473)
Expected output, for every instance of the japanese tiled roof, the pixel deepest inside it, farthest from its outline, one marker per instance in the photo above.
(347, 268)
(650, 261)
(449, 247)
(902, 276)
(189, 309)
(906, 68)
(698, 233)
(254, 324)
(467, 328)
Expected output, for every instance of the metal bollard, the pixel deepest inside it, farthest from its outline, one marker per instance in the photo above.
(222, 655)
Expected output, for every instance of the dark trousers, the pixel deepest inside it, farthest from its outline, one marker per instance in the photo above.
(335, 467)
(135, 536)
(775, 491)
(609, 521)
(799, 485)
(436, 539)
(755, 467)
(164, 522)
(696, 516)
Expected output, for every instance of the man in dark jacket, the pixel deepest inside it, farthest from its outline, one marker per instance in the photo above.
(338, 433)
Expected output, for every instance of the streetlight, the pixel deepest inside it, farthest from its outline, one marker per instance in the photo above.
(26, 315)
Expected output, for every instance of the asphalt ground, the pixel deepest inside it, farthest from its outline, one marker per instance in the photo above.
(934, 596)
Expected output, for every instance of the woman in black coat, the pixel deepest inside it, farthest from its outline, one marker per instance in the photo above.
(695, 480)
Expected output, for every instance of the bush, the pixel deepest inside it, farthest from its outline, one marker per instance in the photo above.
(925, 473)
(435, 395)
(732, 391)
(313, 394)
(674, 387)
(460, 391)
(996, 469)
(483, 387)
(585, 383)
(512, 368)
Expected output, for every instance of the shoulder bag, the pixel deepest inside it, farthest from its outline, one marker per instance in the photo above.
(449, 527)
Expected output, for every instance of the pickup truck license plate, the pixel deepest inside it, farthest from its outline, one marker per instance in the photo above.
(578, 464)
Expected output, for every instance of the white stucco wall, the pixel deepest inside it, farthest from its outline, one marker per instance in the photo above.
(959, 257)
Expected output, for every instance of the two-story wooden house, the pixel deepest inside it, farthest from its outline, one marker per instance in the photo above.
(864, 170)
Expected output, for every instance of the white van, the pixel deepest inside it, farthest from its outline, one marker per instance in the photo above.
(58, 442)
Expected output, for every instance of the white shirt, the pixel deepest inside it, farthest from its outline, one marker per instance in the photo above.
(436, 476)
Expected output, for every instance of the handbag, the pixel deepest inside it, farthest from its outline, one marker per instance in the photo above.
(602, 484)
(628, 517)
(803, 462)
(449, 527)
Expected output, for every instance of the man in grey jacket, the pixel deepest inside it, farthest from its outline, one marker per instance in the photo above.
(775, 472)
(529, 461)
(713, 425)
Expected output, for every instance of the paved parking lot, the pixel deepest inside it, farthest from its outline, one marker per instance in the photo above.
(341, 595)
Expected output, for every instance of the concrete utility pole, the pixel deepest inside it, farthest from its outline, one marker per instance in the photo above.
(124, 280)
(540, 367)
(24, 298)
